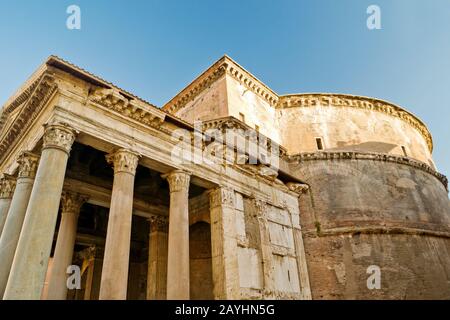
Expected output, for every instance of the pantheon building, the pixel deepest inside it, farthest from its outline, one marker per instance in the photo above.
(98, 202)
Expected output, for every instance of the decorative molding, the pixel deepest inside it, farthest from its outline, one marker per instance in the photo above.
(42, 93)
(114, 100)
(71, 202)
(359, 102)
(124, 160)
(19, 100)
(7, 186)
(222, 196)
(348, 155)
(224, 66)
(28, 164)
(158, 223)
(58, 136)
(299, 188)
(230, 122)
(376, 230)
(178, 180)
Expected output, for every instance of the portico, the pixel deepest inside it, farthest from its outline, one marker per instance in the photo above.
(110, 196)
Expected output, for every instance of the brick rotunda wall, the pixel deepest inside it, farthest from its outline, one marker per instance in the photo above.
(371, 209)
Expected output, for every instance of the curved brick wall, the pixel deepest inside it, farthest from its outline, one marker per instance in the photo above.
(353, 124)
(364, 210)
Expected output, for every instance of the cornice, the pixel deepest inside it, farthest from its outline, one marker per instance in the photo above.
(359, 102)
(231, 122)
(224, 66)
(21, 98)
(134, 109)
(346, 155)
(42, 93)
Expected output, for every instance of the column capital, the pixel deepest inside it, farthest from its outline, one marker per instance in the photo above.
(59, 136)
(261, 206)
(221, 197)
(28, 164)
(158, 223)
(123, 160)
(178, 180)
(71, 202)
(7, 186)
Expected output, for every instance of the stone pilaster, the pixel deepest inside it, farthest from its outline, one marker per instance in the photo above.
(9, 238)
(114, 278)
(29, 268)
(266, 249)
(70, 209)
(225, 268)
(157, 258)
(7, 186)
(178, 251)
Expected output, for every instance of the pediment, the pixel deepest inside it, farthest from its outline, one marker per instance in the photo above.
(21, 112)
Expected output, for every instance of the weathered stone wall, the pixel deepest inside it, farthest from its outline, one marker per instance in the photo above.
(227, 97)
(359, 213)
(270, 251)
(209, 104)
(256, 110)
(349, 128)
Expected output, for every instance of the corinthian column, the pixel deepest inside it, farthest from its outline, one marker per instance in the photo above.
(70, 209)
(178, 252)
(225, 269)
(28, 270)
(28, 163)
(157, 259)
(7, 185)
(117, 248)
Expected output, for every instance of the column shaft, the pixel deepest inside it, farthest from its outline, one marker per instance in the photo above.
(11, 232)
(29, 267)
(157, 259)
(70, 208)
(114, 278)
(178, 251)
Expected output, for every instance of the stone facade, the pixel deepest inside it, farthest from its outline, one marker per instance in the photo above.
(91, 179)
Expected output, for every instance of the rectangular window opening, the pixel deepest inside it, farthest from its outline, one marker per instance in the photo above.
(404, 151)
(319, 143)
(241, 117)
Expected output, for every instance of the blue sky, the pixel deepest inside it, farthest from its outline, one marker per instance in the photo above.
(154, 48)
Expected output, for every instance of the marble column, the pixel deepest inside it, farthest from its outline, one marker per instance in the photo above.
(178, 251)
(28, 163)
(225, 268)
(157, 258)
(29, 267)
(114, 278)
(7, 185)
(71, 203)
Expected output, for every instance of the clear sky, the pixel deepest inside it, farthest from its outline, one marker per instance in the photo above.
(154, 48)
